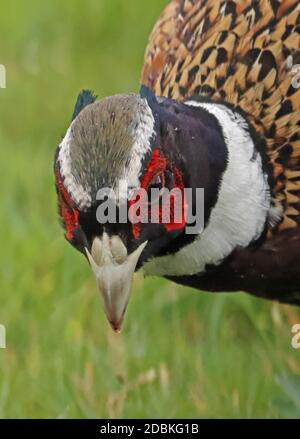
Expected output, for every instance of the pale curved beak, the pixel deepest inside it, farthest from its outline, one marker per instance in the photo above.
(114, 270)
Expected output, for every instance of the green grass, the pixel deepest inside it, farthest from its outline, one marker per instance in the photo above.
(182, 353)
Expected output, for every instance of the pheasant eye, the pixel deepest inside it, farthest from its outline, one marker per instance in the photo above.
(156, 187)
(157, 182)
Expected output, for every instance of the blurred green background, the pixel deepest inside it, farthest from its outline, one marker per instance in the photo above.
(182, 353)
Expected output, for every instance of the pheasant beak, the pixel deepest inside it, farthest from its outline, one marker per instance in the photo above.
(114, 270)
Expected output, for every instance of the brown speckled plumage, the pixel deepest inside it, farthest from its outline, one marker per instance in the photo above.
(243, 53)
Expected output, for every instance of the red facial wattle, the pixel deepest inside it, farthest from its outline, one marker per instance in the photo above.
(67, 209)
(157, 165)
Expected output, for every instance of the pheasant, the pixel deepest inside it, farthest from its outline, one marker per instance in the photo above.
(218, 110)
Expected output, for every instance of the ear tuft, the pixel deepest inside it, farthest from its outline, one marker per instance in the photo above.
(85, 97)
(147, 93)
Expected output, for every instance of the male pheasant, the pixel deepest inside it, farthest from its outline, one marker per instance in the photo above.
(218, 110)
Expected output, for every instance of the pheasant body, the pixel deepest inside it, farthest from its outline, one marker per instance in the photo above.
(246, 55)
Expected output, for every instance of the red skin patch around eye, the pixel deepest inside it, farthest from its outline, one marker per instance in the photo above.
(156, 165)
(67, 210)
(172, 225)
